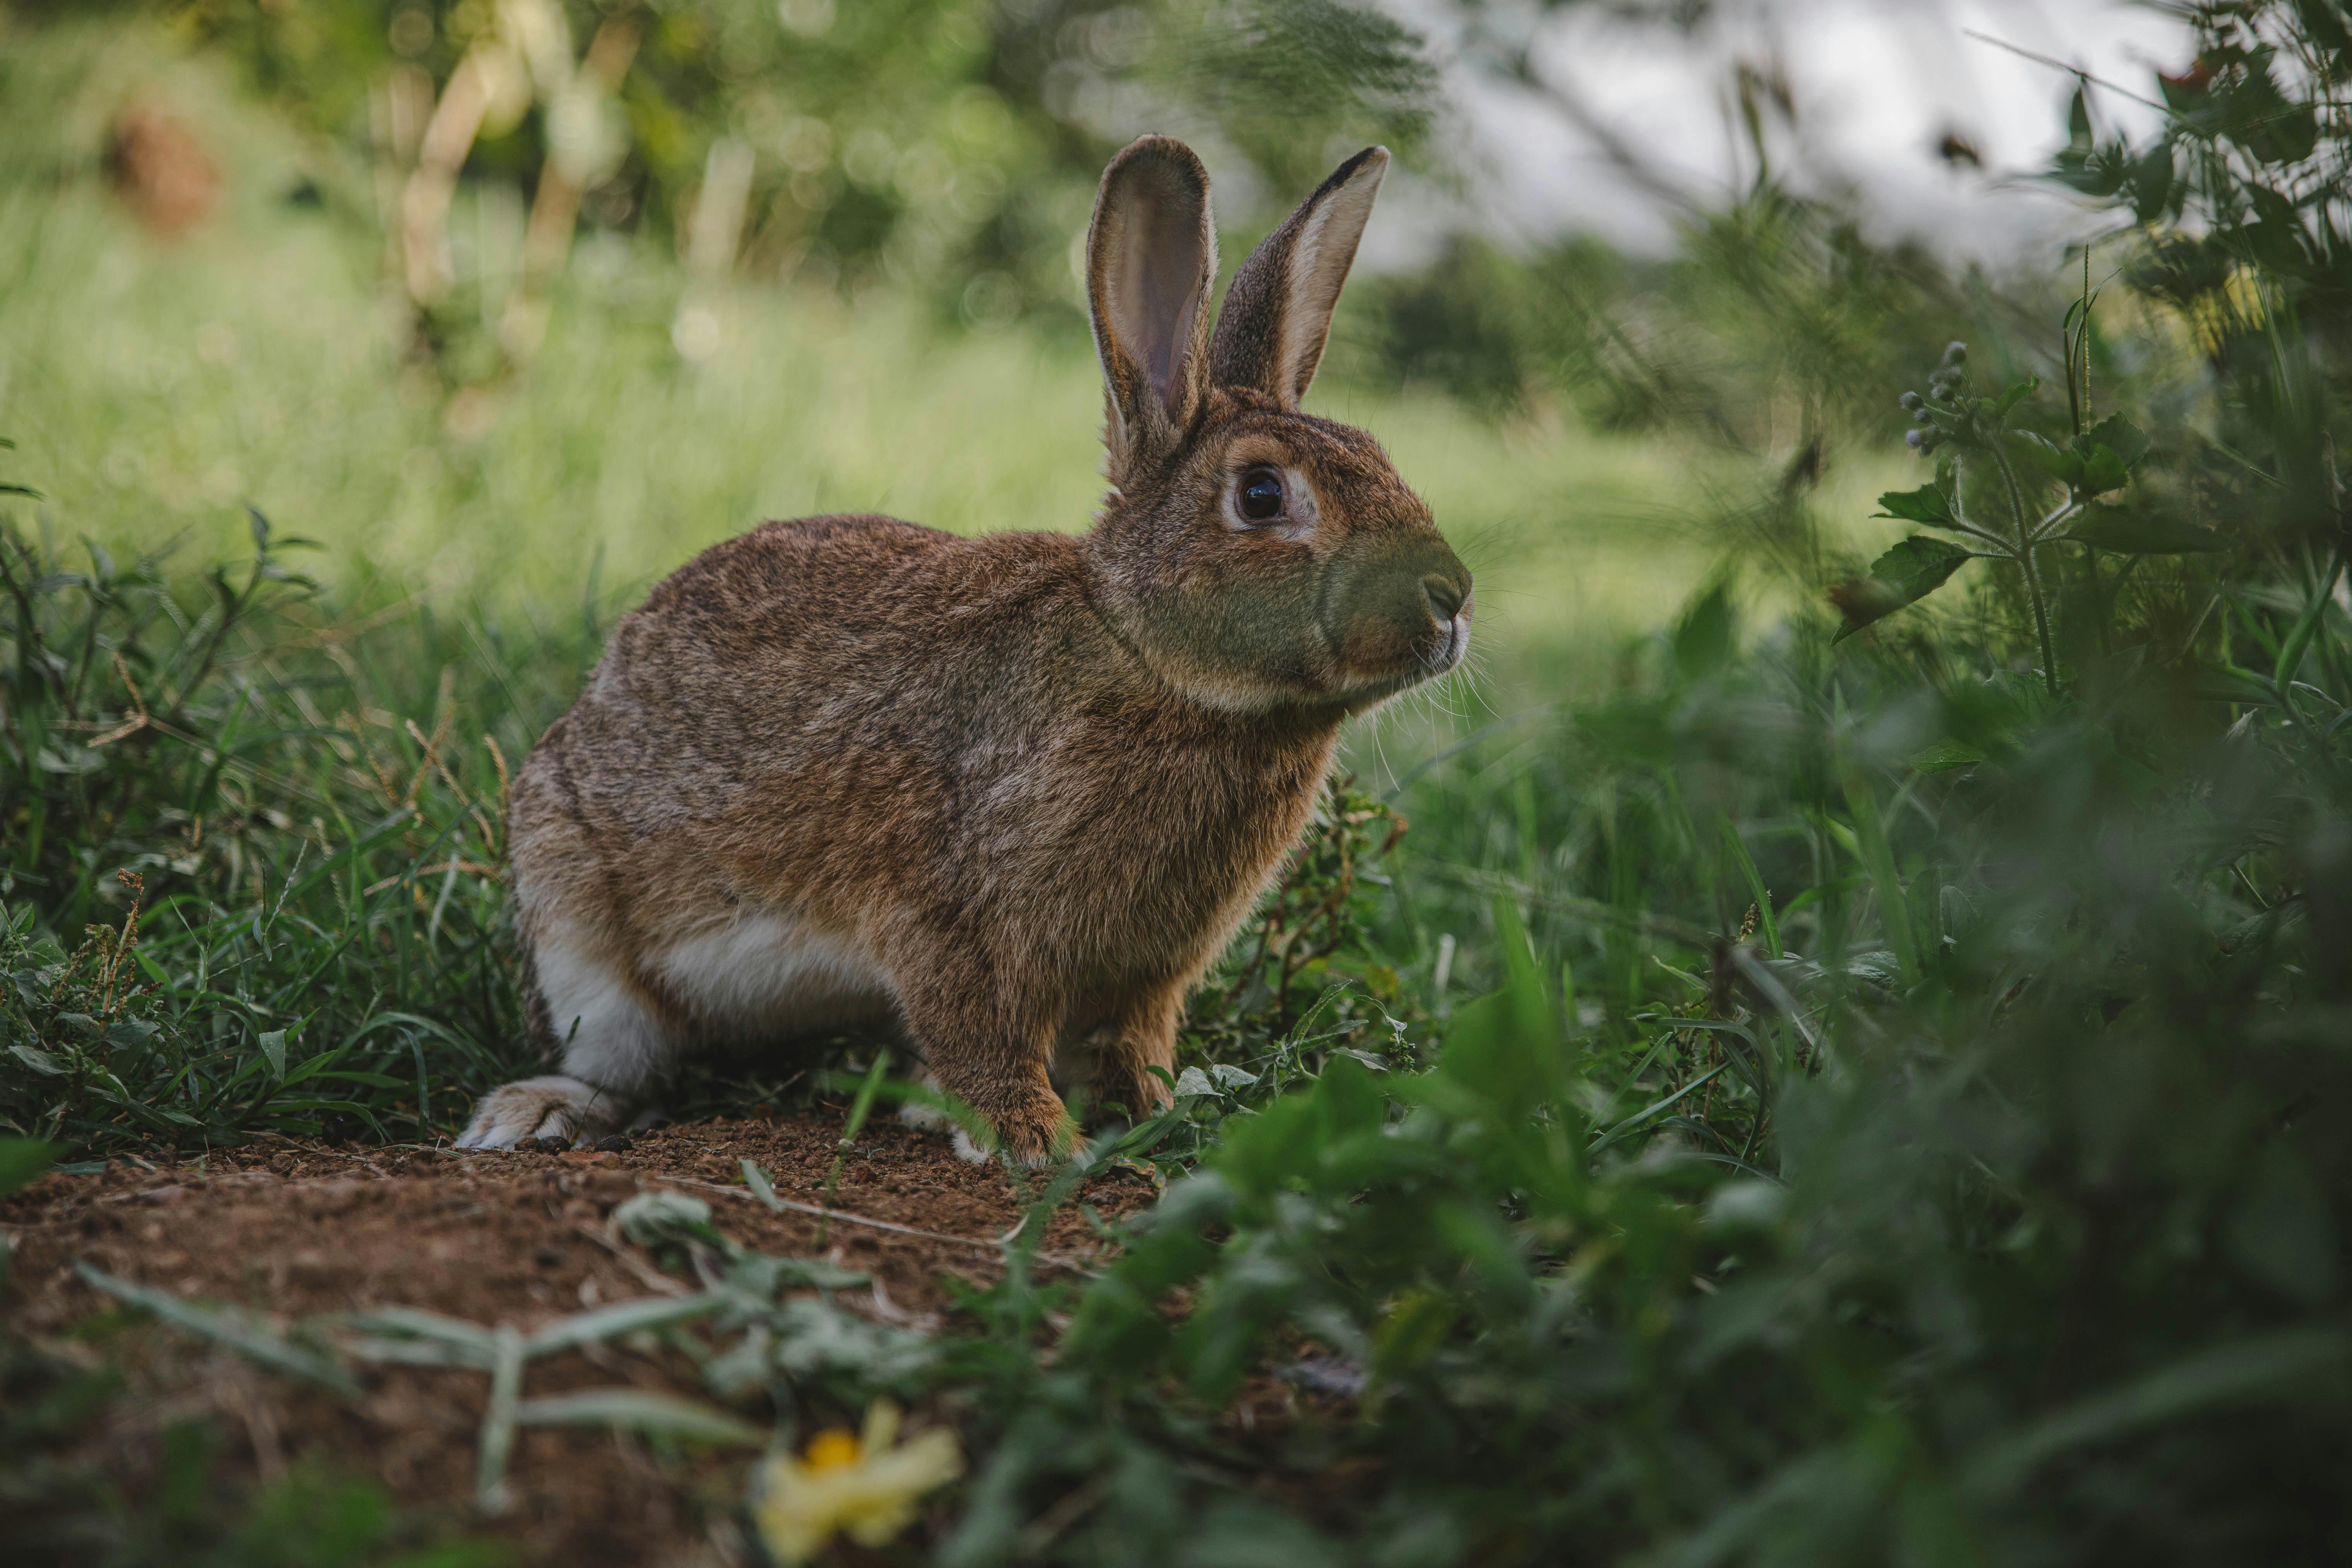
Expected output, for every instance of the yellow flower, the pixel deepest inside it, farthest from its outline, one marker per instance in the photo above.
(862, 1486)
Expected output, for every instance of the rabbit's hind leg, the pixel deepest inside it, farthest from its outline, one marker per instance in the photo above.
(1140, 1038)
(614, 1046)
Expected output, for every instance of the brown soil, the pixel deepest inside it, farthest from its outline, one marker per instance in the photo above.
(296, 1228)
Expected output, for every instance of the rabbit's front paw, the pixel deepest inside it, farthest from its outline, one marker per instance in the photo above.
(543, 1108)
(1037, 1134)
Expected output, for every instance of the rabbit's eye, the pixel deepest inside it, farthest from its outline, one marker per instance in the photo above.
(1259, 497)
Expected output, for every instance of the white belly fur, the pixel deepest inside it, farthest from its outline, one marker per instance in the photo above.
(765, 977)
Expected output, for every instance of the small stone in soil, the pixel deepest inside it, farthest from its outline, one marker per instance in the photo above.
(616, 1144)
(556, 1146)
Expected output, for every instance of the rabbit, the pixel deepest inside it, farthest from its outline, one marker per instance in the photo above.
(1004, 794)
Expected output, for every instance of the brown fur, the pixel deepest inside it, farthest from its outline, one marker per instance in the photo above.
(1036, 779)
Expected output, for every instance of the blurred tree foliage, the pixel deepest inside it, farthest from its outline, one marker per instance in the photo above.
(946, 144)
(951, 148)
(1775, 324)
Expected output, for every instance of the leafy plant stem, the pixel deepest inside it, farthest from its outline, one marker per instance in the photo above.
(861, 1107)
(2027, 538)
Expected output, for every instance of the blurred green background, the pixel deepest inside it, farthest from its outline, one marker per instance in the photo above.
(704, 263)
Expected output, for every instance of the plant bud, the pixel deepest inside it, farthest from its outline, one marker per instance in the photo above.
(1956, 354)
(1911, 402)
(1915, 440)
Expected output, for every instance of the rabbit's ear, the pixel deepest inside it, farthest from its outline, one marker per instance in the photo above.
(1277, 314)
(1151, 255)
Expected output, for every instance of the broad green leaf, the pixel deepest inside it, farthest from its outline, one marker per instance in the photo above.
(2015, 396)
(2109, 451)
(22, 1159)
(1506, 1049)
(2133, 533)
(1904, 575)
(1352, 1101)
(2102, 471)
(1192, 1082)
(39, 1060)
(1929, 504)
(273, 1048)
(2060, 463)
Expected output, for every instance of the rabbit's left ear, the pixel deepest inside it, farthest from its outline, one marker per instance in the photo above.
(1277, 314)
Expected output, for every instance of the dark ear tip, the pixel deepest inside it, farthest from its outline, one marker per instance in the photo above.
(1163, 152)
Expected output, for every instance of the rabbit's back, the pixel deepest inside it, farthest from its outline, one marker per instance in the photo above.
(809, 675)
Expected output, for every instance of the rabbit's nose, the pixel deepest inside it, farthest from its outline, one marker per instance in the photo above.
(1445, 597)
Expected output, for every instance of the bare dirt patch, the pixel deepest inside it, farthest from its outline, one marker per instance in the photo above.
(296, 1228)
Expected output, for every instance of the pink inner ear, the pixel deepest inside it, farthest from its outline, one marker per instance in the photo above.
(1163, 275)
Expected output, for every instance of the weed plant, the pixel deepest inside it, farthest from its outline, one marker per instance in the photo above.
(251, 873)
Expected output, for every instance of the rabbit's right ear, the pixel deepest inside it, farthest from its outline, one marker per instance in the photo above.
(1151, 256)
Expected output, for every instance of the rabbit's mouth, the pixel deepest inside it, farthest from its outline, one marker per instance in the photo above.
(1438, 656)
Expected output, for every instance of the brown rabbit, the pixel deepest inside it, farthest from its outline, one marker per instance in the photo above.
(1003, 794)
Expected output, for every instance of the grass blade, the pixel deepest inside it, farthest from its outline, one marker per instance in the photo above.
(634, 1408)
(1878, 858)
(761, 1187)
(254, 1343)
(1768, 926)
(491, 1492)
(428, 1339)
(623, 1318)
